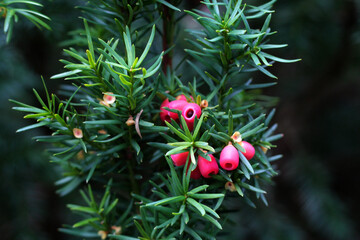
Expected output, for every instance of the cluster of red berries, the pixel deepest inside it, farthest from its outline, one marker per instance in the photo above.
(229, 156)
(188, 110)
(229, 160)
(204, 167)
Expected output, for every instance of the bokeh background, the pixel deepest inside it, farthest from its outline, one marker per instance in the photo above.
(317, 194)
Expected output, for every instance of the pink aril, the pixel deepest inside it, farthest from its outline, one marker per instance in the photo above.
(229, 158)
(178, 105)
(189, 112)
(208, 168)
(180, 158)
(249, 150)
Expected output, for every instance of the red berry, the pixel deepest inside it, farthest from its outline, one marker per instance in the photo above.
(164, 114)
(250, 150)
(189, 112)
(178, 105)
(229, 158)
(208, 167)
(180, 158)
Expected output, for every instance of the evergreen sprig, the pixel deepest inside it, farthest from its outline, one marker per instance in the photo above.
(107, 131)
(11, 9)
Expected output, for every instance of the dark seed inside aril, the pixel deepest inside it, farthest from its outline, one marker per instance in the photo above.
(228, 165)
(189, 113)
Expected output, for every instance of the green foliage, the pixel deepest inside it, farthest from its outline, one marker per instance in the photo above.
(107, 129)
(178, 209)
(99, 215)
(11, 9)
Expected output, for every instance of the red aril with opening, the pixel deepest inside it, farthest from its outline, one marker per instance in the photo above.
(189, 112)
(229, 158)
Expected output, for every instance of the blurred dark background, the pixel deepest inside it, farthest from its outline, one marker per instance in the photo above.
(316, 194)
